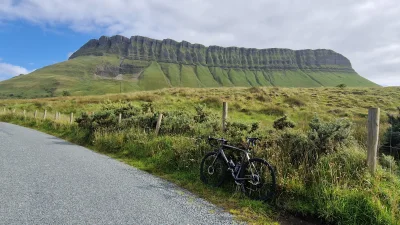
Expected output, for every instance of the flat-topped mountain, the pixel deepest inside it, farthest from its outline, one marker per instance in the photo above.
(120, 64)
(170, 51)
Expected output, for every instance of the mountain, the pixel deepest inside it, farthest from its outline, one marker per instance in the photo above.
(120, 64)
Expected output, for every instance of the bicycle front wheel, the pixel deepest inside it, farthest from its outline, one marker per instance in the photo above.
(213, 169)
(259, 180)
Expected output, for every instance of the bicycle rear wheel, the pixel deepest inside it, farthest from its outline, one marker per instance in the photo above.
(213, 169)
(260, 179)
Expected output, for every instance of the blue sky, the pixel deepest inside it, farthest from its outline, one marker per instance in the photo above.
(32, 46)
(36, 33)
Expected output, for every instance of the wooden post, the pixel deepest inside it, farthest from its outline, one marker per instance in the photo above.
(120, 118)
(71, 118)
(35, 114)
(55, 115)
(24, 113)
(373, 138)
(224, 115)
(59, 116)
(158, 126)
(45, 114)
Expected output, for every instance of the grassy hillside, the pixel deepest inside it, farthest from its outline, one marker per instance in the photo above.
(75, 76)
(93, 75)
(334, 186)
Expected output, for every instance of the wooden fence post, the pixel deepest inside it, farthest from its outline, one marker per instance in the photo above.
(35, 114)
(59, 116)
(71, 118)
(45, 114)
(120, 118)
(55, 115)
(24, 113)
(224, 115)
(158, 126)
(373, 138)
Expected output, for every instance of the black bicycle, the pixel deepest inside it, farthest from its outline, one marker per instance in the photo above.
(255, 176)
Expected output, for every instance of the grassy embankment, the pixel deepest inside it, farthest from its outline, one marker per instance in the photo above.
(320, 176)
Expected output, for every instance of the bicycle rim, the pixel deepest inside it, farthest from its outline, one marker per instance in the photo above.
(260, 180)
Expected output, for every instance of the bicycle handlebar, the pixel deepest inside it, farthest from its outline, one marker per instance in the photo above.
(221, 140)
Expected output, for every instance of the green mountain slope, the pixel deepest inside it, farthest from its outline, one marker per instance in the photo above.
(119, 64)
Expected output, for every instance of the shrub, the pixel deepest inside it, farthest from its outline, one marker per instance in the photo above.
(107, 117)
(341, 86)
(254, 127)
(201, 114)
(329, 136)
(273, 111)
(256, 90)
(292, 101)
(212, 102)
(66, 93)
(283, 123)
(322, 138)
(147, 107)
(389, 163)
(103, 119)
(177, 122)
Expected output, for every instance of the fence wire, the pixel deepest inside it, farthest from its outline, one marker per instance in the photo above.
(391, 147)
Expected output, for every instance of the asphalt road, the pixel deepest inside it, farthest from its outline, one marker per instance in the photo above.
(45, 180)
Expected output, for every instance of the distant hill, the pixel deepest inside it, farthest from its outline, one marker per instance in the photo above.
(120, 64)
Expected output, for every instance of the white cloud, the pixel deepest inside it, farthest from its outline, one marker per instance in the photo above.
(365, 31)
(8, 70)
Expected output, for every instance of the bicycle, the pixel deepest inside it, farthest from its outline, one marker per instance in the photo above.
(255, 176)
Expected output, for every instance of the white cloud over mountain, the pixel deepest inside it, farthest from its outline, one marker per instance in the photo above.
(367, 32)
(7, 70)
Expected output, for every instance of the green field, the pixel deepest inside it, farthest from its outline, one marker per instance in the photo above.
(320, 164)
(96, 75)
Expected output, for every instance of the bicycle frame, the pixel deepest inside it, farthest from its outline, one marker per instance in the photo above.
(222, 153)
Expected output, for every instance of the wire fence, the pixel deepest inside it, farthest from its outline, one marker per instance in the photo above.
(390, 145)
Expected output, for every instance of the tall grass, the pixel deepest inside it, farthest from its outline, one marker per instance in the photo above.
(320, 165)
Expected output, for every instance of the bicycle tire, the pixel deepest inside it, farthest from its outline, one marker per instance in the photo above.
(264, 184)
(213, 175)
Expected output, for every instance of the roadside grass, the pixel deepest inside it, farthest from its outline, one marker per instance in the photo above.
(243, 209)
(334, 187)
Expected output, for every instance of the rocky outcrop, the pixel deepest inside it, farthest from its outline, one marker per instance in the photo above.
(167, 50)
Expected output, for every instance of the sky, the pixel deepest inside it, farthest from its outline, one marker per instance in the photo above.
(37, 33)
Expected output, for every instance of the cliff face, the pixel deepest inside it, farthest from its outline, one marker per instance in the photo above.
(167, 50)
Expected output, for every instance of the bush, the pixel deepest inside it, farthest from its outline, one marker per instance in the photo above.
(305, 149)
(201, 114)
(292, 101)
(283, 123)
(101, 120)
(212, 102)
(107, 117)
(66, 93)
(273, 111)
(177, 122)
(389, 163)
(341, 86)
